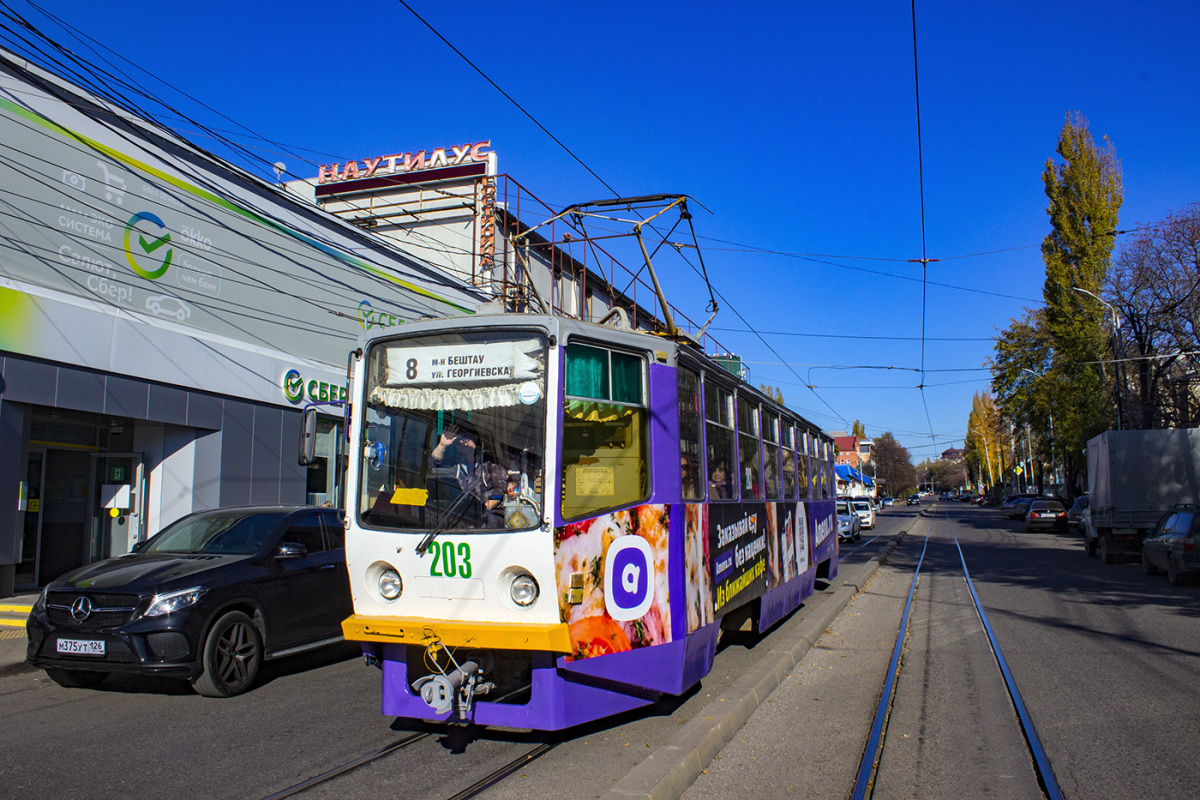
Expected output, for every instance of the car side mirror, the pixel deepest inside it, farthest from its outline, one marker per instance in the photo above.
(308, 437)
(291, 550)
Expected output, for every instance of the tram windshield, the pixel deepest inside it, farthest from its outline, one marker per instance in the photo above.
(454, 432)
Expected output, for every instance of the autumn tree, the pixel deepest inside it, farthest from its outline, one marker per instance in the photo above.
(983, 449)
(893, 465)
(1155, 285)
(772, 392)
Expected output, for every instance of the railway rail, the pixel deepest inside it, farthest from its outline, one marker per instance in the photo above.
(478, 787)
(875, 748)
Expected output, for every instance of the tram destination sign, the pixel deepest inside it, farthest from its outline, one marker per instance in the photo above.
(457, 365)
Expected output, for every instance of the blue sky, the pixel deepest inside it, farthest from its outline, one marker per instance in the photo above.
(794, 124)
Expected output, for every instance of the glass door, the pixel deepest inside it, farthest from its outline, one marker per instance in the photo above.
(116, 504)
(31, 503)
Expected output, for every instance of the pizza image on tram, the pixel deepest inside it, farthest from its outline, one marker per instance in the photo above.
(581, 549)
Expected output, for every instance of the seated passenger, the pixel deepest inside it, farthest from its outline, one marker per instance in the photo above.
(718, 482)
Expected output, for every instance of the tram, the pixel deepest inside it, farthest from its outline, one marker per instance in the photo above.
(550, 520)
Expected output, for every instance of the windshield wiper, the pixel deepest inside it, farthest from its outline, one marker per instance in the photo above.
(448, 514)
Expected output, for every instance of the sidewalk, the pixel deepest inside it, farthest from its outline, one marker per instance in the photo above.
(672, 769)
(13, 612)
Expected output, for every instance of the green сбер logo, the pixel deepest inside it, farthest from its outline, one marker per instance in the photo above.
(151, 248)
(293, 386)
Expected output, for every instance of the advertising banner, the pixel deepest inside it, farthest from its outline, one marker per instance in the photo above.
(738, 535)
(613, 589)
(98, 209)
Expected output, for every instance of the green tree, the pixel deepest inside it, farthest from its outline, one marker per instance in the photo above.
(859, 430)
(1083, 195)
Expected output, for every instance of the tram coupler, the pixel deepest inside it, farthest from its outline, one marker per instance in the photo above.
(458, 687)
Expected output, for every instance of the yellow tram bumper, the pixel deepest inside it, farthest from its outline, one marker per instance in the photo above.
(485, 635)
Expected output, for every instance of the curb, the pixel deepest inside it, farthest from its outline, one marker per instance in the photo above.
(14, 664)
(674, 767)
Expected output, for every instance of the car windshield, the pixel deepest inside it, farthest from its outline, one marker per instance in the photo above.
(843, 509)
(1047, 505)
(860, 505)
(233, 532)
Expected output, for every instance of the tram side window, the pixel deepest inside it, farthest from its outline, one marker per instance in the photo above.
(804, 476)
(605, 443)
(772, 485)
(788, 444)
(825, 469)
(750, 473)
(718, 434)
(689, 434)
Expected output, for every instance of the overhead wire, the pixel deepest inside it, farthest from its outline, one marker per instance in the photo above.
(921, 183)
(444, 249)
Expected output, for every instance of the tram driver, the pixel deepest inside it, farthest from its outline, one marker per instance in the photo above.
(458, 456)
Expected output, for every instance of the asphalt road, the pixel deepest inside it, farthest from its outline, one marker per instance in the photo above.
(1105, 660)
(145, 738)
(142, 737)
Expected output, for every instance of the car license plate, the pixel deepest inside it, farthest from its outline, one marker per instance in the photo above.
(81, 647)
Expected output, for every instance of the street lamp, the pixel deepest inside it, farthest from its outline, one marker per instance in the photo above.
(1118, 351)
(986, 457)
(1050, 413)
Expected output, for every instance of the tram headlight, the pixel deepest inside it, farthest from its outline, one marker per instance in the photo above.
(523, 590)
(390, 585)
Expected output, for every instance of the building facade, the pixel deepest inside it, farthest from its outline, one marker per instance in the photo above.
(164, 317)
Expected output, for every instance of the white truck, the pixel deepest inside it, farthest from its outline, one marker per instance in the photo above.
(1134, 477)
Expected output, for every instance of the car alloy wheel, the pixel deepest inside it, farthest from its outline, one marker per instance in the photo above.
(233, 653)
(1174, 574)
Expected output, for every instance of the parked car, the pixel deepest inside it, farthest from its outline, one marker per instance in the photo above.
(207, 599)
(1075, 512)
(1045, 515)
(849, 525)
(1018, 508)
(913, 500)
(1013, 500)
(866, 513)
(1171, 546)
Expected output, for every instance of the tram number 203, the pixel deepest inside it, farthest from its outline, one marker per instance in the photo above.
(450, 560)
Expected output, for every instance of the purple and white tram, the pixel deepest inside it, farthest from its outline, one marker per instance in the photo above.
(549, 520)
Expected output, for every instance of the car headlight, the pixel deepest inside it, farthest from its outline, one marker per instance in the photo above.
(39, 605)
(390, 585)
(174, 601)
(523, 590)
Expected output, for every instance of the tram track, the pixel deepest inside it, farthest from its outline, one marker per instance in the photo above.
(478, 787)
(875, 747)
